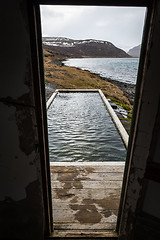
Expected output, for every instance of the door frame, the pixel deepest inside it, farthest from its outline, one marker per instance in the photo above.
(39, 86)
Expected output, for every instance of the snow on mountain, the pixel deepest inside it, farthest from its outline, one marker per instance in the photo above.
(83, 48)
(66, 42)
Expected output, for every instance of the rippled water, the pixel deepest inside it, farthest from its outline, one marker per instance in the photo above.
(80, 129)
(120, 69)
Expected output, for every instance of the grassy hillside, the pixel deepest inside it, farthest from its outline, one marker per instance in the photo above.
(69, 77)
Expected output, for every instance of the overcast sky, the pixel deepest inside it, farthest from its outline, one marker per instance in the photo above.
(121, 26)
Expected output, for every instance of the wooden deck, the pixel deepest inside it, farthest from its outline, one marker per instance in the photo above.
(85, 198)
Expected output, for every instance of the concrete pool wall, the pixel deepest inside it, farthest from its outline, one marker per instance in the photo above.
(123, 133)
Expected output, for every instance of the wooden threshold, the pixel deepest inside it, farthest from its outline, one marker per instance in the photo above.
(79, 235)
(85, 199)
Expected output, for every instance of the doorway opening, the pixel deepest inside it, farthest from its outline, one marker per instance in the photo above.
(89, 212)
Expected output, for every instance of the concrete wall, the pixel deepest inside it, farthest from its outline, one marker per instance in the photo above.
(21, 204)
(21, 196)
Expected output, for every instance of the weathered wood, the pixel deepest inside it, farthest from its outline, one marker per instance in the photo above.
(88, 168)
(62, 205)
(85, 233)
(71, 217)
(86, 184)
(70, 226)
(86, 197)
(111, 193)
(93, 176)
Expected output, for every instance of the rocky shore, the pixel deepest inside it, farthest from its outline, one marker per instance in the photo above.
(128, 89)
(57, 76)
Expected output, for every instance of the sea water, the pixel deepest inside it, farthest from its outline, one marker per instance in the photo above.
(81, 129)
(120, 69)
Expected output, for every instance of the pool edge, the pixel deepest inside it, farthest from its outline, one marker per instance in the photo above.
(123, 133)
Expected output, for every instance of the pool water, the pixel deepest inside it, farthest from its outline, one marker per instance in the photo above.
(81, 129)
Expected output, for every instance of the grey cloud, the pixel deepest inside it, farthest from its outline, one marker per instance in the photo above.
(121, 26)
(49, 13)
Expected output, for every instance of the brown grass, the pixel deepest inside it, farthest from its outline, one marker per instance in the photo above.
(70, 77)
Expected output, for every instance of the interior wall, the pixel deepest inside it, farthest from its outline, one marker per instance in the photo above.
(141, 212)
(21, 203)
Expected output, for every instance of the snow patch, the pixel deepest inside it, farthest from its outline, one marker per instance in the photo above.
(66, 42)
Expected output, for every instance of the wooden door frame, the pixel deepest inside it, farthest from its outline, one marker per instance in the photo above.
(41, 112)
(38, 72)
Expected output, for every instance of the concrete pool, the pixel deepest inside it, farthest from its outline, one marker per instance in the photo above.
(81, 129)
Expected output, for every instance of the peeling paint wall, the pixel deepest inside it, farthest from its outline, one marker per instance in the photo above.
(141, 213)
(21, 205)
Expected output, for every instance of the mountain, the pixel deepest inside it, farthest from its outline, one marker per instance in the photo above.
(135, 51)
(83, 48)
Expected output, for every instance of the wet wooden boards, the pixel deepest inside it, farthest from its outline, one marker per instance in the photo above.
(85, 197)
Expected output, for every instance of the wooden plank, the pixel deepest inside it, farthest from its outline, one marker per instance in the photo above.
(72, 220)
(86, 198)
(69, 216)
(110, 204)
(73, 194)
(85, 234)
(100, 176)
(87, 169)
(77, 226)
(86, 184)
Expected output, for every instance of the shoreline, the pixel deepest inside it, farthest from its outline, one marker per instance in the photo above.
(127, 88)
(58, 76)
